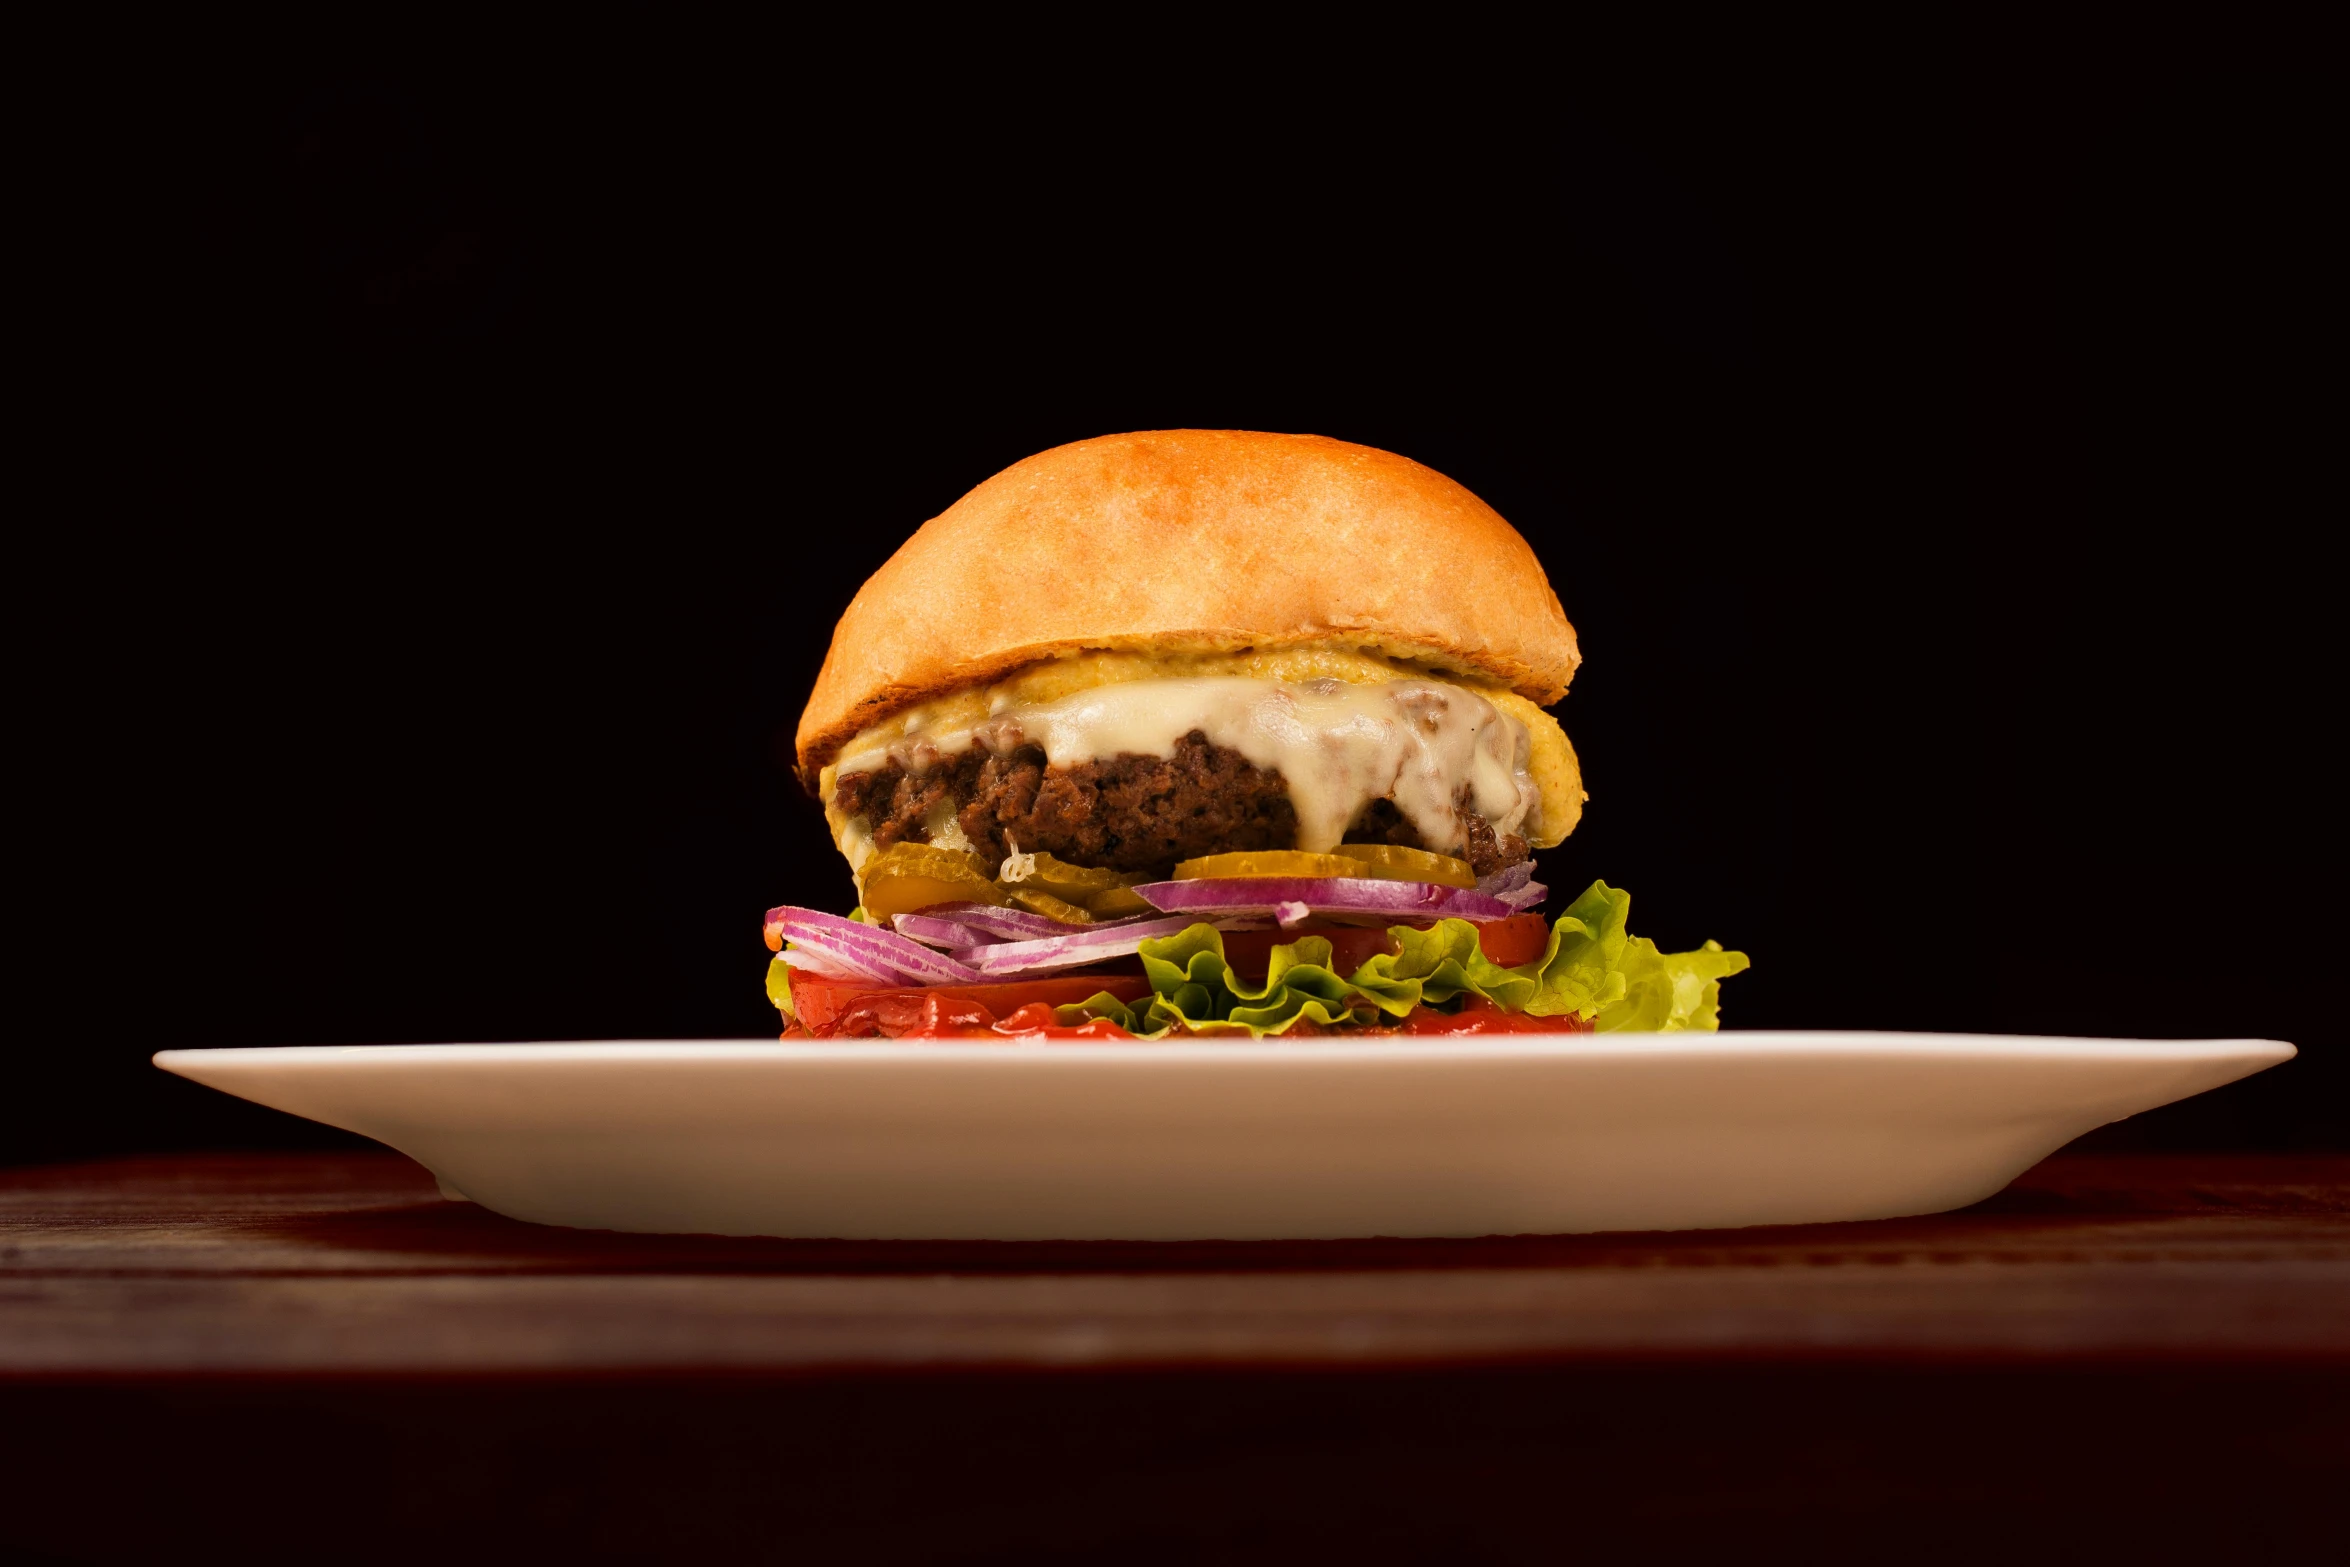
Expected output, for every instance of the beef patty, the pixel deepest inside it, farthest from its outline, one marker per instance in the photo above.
(1138, 814)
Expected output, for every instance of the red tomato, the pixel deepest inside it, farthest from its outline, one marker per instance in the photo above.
(1037, 1018)
(816, 1001)
(823, 1005)
(895, 1014)
(1519, 939)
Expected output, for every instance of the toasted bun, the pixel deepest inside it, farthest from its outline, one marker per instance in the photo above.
(1192, 541)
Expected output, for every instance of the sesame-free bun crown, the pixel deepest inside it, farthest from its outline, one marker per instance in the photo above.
(1192, 541)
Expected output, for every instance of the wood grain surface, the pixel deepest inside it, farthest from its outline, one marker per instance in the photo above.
(293, 1357)
(353, 1263)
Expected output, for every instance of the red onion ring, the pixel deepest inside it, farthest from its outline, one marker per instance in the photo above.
(1402, 900)
(895, 956)
(958, 925)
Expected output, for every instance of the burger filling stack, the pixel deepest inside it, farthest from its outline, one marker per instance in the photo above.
(1273, 761)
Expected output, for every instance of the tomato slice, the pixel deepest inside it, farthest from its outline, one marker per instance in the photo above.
(1037, 1018)
(816, 1000)
(897, 1014)
(1521, 938)
(821, 1004)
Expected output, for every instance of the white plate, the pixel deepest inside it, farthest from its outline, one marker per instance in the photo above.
(1480, 1136)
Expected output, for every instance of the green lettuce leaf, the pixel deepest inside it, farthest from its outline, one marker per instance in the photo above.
(1194, 988)
(1580, 971)
(1665, 991)
(1592, 968)
(1438, 965)
(1100, 1004)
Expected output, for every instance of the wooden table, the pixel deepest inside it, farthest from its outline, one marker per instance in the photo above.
(306, 1354)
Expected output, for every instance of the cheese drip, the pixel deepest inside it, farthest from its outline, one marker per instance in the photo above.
(1429, 746)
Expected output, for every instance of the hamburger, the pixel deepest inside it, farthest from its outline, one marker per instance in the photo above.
(1208, 733)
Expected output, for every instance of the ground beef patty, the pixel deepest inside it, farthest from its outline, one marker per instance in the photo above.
(1138, 814)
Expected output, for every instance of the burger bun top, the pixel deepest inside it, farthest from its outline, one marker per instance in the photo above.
(1193, 541)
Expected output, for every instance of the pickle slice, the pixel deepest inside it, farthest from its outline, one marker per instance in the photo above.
(1389, 862)
(1103, 894)
(1073, 882)
(929, 859)
(909, 876)
(1037, 901)
(1265, 862)
(1117, 903)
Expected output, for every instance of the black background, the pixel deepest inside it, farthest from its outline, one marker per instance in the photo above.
(1922, 452)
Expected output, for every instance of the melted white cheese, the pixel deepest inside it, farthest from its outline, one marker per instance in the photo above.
(1429, 746)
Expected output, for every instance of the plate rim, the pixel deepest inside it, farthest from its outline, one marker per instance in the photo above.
(1730, 1044)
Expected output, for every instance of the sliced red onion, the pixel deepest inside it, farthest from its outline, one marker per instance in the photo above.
(1012, 959)
(958, 925)
(971, 924)
(1402, 900)
(895, 956)
(811, 960)
(826, 943)
(1515, 885)
(1508, 879)
(1291, 913)
(1091, 945)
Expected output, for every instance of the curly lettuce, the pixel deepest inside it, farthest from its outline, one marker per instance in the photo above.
(1194, 988)
(1592, 969)
(1664, 991)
